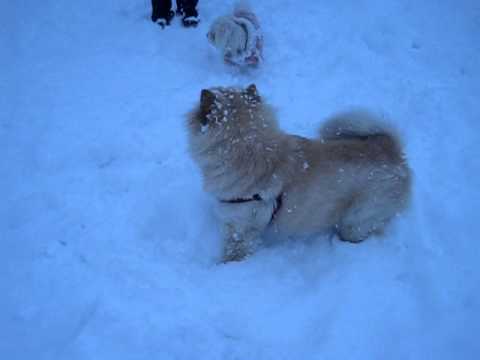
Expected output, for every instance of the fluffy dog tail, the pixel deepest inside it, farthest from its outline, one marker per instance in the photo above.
(361, 125)
(354, 124)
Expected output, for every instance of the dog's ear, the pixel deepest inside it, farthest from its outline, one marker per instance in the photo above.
(252, 92)
(207, 98)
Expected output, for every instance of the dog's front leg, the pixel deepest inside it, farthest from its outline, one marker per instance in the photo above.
(243, 227)
(239, 243)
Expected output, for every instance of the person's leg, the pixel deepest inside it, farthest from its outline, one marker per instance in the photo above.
(190, 13)
(190, 7)
(179, 7)
(162, 11)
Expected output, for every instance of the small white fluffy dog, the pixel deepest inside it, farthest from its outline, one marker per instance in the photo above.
(352, 180)
(238, 37)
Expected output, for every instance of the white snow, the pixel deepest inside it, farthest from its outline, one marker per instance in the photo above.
(109, 245)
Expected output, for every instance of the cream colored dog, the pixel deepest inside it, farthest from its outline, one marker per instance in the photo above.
(352, 180)
(238, 37)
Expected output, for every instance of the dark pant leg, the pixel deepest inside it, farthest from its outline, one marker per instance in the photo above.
(161, 9)
(179, 7)
(189, 7)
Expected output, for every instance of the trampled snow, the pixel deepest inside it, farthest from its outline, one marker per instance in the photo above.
(109, 245)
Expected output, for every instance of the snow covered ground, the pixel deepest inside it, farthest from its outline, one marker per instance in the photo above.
(108, 243)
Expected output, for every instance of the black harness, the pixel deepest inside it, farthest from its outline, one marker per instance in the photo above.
(257, 197)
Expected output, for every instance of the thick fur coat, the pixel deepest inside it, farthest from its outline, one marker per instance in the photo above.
(352, 180)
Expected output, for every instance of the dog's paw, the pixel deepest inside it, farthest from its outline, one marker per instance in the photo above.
(351, 234)
(232, 258)
(236, 254)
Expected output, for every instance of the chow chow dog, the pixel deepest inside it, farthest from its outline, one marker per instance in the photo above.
(351, 180)
(238, 37)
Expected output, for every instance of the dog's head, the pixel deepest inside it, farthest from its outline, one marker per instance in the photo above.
(232, 132)
(220, 106)
(220, 31)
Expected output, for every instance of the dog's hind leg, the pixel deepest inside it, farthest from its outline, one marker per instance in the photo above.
(371, 210)
(365, 218)
(356, 232)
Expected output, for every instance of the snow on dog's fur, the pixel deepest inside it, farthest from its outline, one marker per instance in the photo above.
(352, 180)
(238, 37)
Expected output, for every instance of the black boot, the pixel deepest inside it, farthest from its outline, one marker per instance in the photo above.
(162, 12)
(189, 12)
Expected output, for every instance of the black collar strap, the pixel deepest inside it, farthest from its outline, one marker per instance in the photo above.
(278, 205)
(257, 197)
